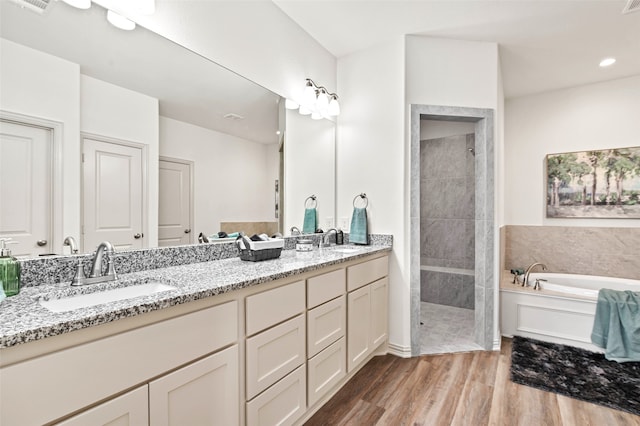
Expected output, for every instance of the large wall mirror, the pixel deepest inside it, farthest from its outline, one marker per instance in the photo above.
(128, 137)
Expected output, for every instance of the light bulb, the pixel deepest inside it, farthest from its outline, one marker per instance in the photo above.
(323, 101)
(120, 21)
(304, 110)
(309, 95)
(316, 115)
(289, 104)
(334, 107)
(80, 4)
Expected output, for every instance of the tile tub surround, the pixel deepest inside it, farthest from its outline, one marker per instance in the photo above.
(22, 319)
(611, 252)
(58, 269)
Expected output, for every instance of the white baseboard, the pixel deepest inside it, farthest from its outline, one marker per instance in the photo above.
(398, 350)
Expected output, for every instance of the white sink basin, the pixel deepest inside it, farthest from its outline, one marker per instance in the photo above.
(85, 300)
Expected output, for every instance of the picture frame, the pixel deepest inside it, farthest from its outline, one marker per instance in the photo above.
(594, 184)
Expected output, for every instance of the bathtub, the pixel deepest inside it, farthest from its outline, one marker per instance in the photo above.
(562, 311)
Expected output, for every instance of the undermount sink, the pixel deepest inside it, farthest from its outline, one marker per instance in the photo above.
(70, 303)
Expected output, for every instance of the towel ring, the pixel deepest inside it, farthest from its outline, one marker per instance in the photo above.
(364, 197)
(311, 200)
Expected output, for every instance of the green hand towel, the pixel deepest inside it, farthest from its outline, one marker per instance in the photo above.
(358, 233)
(616, 327)
(309, 224)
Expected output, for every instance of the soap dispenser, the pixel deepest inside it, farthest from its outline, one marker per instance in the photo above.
(9, 269)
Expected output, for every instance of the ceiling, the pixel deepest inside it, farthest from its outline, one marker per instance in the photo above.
(189, 87)
(544, 44)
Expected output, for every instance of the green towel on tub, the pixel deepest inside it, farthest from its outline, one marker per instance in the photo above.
(358, 233)
(309, 224)
(616, 327)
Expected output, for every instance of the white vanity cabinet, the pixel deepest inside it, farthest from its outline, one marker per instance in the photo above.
(130, 409)
(367, 307)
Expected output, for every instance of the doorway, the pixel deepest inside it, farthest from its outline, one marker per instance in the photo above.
(473, 281)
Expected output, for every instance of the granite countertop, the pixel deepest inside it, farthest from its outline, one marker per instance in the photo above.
(23, 319)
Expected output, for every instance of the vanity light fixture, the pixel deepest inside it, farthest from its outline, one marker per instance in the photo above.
(120, 21)
(117, 9)
(317, 101)
(607, 62)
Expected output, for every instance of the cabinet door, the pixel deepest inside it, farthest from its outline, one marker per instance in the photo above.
(282, 404)
(379, 311)
(325, 325)
(274, 353)
(325, 370)
(130, 409)
(358, 326)
(203, 393)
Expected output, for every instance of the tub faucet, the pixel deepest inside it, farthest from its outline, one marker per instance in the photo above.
(525, 281)
(325, 241)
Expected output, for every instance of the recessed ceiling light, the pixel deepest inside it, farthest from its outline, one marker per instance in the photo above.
(607, 62)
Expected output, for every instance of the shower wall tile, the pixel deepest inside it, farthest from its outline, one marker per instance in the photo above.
(612, 252)
(448, 289)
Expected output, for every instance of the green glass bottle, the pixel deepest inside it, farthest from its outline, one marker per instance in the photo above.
(9, 270)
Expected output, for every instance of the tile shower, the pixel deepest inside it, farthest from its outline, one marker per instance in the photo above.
(447, 213)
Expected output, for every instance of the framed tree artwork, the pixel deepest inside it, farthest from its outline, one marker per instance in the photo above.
(594, 184)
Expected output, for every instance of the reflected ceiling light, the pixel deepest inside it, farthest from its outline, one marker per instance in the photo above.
(80, 4)
(607, 62)
(120, 21)
(318, 101)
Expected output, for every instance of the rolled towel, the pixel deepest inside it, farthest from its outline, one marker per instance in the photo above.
(310, 218)
(358, 234)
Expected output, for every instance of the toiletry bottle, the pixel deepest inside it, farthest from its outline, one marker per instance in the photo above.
(9, 269)
(339, 237)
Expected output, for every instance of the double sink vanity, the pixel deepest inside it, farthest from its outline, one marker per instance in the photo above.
(220, 341)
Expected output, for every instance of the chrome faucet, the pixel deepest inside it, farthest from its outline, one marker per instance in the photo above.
(525, 281)
(71, 242)
(295, 230)
(324, 241)
(95, 276)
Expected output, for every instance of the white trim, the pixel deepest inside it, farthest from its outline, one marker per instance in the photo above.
(399, 350)
(56, 129)
(144, 148)
(192, 166)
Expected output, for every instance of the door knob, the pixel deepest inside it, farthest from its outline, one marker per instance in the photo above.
(41, 243)
(137, 236)
(187, 231)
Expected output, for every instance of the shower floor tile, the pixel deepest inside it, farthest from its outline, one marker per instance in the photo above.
(446, 329)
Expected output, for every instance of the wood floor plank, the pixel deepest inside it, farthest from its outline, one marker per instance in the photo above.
(455, 389)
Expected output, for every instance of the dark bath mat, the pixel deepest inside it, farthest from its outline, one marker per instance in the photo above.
(576, 373)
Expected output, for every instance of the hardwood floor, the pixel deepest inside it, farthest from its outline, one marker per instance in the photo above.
(455, 389)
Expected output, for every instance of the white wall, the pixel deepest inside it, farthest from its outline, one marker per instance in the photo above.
(371, 159)
(309, 169)
(112, 111)
(232, 180)
(253, 38)
(44, 86)
(591, 117)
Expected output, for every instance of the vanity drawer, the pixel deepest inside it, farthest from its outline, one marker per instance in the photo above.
(367, 272)
(325, 287)
(326, 369)
(282, 404)
(274, 306)
(273, 354)
(326, 324)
